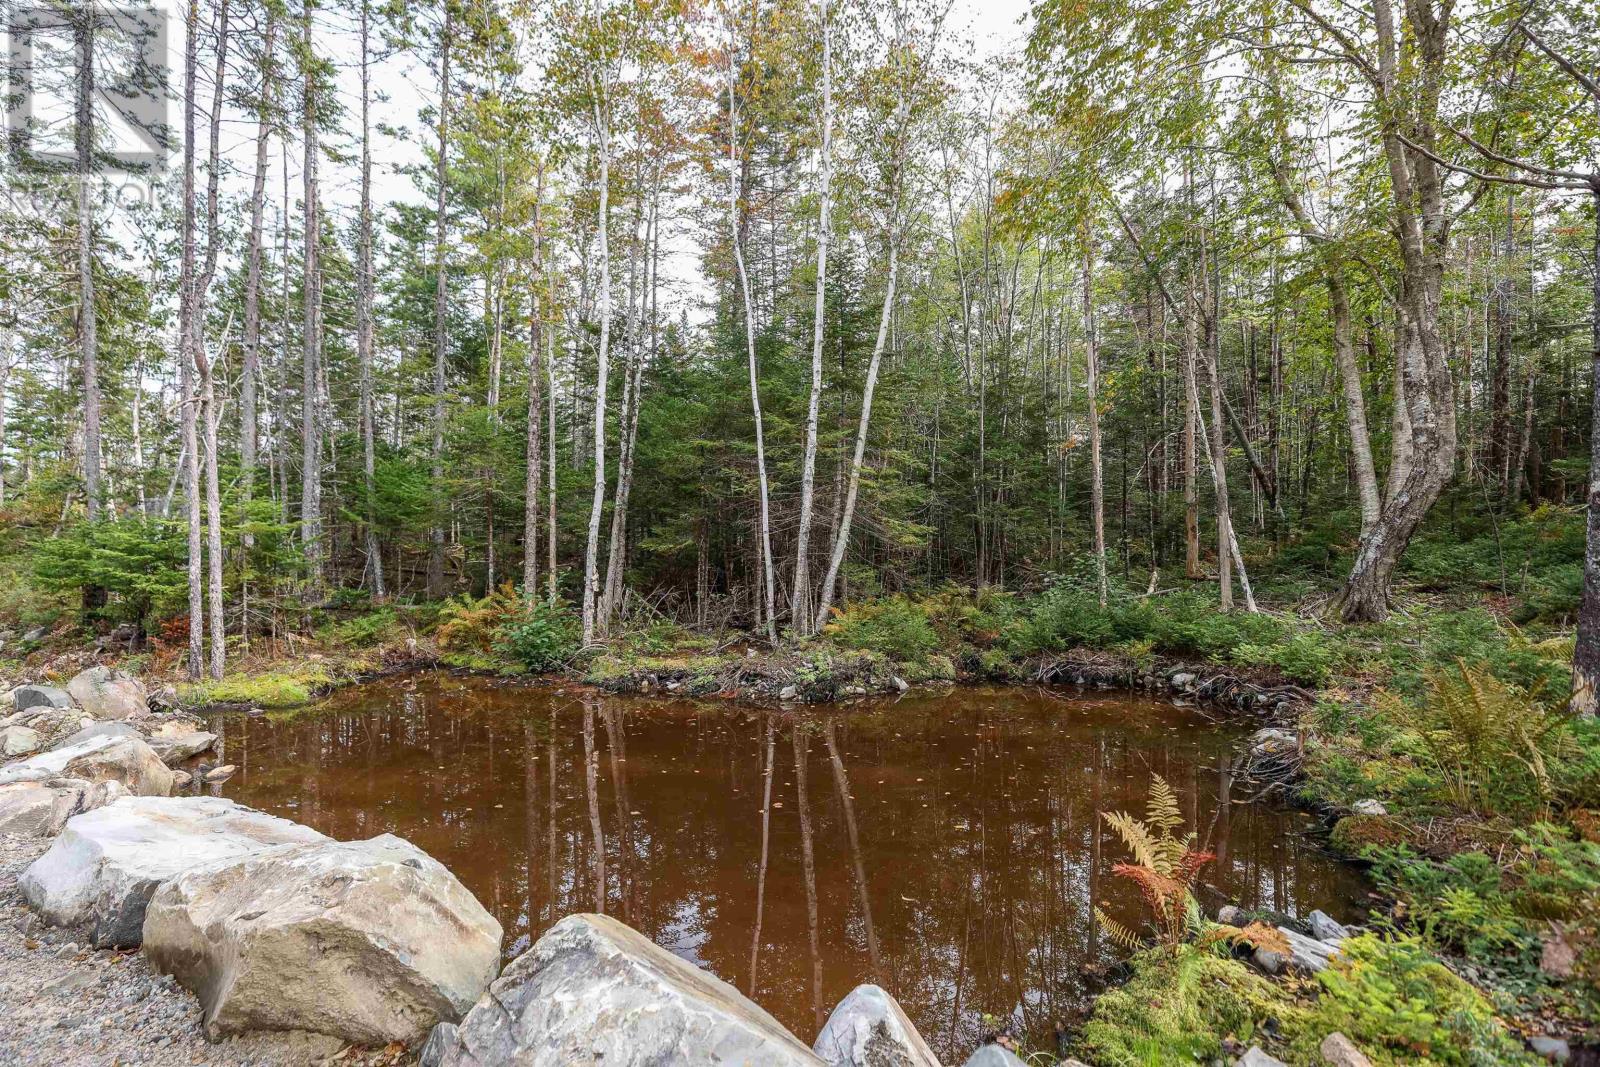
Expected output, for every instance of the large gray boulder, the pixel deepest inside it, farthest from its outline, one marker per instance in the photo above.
(868, 1028)
(368, 941)
(25, 697)
(107, 694)
(593, 991)
(106, 864)
(98, 729)
(41, 809)
(98, 759)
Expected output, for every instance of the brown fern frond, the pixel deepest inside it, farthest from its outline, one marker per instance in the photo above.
(1137, 837)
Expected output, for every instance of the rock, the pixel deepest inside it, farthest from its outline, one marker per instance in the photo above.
(106, 864)
(1308, 955)
(98, 759)
(1558, 957)
(1232, 915)
(98, 729)
(1324, 928)
(40, 696)
(1553, 1049)
(107, 694)
(219, 774)
(1182, 680)
(177, 749)
(1369, 807)
(899, 683)
(788, 692)
(1254, 1057)
(35, 635)
(41, 809)
(440, 1038)
(592, 990)
(368, 941)
(868, 1028)
(18, 741)
(1339, 1051)
(992, 1055)
(181, 780)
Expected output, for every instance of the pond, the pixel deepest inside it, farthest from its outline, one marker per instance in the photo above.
(945, 845)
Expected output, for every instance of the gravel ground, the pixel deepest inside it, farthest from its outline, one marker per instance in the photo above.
(66, 1004)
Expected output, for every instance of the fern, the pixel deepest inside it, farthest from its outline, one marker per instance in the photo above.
(1165, 865)
(1478, 732)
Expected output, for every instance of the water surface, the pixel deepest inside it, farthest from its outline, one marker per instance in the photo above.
(944, 845)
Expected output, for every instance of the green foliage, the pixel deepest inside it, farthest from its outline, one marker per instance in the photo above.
(1487, 742)
(469, 626)
(542, 639)
(894, 626)
(362, 631)
(138, 561)
(1400, 1005)
(271, 689)
(1177, 1007)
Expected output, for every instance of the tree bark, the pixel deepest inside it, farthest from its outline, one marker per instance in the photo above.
(1585, 700)
(311, 328)
(1097, 492)
(769, 592)
(441, 333)
(88, 336)
(591, 557)
(800, 613)
(188, 328)
(534, 453)
(364, 326)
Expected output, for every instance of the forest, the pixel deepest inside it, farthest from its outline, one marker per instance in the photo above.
(818, 348)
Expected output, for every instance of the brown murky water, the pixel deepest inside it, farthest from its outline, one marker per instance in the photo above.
(945, 845)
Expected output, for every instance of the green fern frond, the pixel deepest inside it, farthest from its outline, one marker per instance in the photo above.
(1118, 933)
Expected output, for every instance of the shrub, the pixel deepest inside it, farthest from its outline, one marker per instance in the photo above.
(1488, 742)
(543, 639)
(364, 630)
(1400, 1005)
(894, 626)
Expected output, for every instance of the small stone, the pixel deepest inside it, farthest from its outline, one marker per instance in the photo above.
(788, 692)
(221, 774)
(1254, 1057)
(1182, 680)
(70, 982)
(992, 1055)
(40, 696)
(1231, 915)
(868, 1028)
(1369, 807)
(1553, 1049)
(900, 683)
(1307, 954)
(1340, 1051)
(181, 779)
(18, 741)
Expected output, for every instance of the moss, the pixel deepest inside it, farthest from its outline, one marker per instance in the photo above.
(268, 689)
(1177, 1008)
(1354, 834)
(1401, 1006)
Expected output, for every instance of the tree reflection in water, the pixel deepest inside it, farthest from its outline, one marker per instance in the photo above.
(956, 859)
